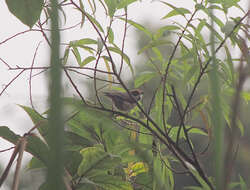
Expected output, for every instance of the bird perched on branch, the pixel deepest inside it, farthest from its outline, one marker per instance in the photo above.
(123, 101)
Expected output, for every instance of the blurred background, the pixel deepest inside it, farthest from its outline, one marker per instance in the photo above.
(20, 51)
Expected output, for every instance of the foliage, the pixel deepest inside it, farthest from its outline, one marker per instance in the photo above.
(108, 149)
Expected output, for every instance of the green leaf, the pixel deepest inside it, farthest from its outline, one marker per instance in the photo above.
(246, 96)
(75, 141)
(228, 27)
(38, 149)
(77, 55)
(158, 105)
(107, 182)
(191, 73)
(124, 3)
(143, 78)
(158, 54)
(242, 184)
(193, 188)
(87, 60)
(198, 177)
(27, 11)
(35, 145)
(37, 119)
(94, 158)
(164, 30)
(99, 45)
(95, 22)
(196, 131)
(145, 180)
(139, 27)
(66, 55)
(8, 135)
(92, 124)
(215, 18)
(83, 16)
(83, 41)
(106, 61)
(162, 175)
(111, 4)
(110, 35)
(88, 49)
(124, 56)
(229, 62)
(177, 11)
(154, 44)
(214, 31)
(34, 163)
(200, 26)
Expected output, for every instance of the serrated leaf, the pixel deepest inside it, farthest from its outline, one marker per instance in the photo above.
(27, 11)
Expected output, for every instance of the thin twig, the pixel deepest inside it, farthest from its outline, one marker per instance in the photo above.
(91, 77)
(11, 81)
(43, 33)
(5, 63)
(19, 33)
(16, 180)
(75, 87)
(7, 169)
(32, 65)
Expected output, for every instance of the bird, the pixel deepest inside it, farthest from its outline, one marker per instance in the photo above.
(122, 101)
